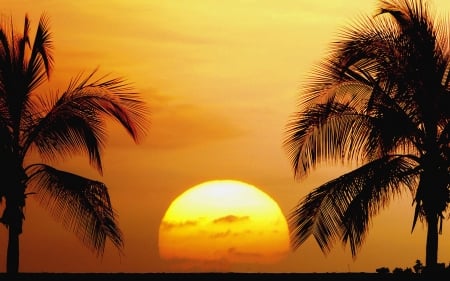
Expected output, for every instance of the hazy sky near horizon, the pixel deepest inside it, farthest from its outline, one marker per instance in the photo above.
(221, 79)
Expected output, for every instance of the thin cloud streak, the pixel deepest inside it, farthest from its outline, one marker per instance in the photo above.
(167, 226)
(231, 219)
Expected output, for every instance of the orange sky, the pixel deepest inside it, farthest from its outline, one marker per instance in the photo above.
(221, 78)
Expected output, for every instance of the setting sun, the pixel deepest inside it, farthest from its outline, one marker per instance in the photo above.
(223, 222)
(210, 185)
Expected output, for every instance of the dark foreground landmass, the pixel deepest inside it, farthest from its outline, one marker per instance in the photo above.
(217, 276)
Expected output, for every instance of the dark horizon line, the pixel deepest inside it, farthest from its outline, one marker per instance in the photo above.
(212, 276)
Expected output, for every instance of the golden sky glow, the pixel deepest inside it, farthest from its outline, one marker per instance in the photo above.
(216, 224)
(221, 79)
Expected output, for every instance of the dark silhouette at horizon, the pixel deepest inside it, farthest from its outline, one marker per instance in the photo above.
(332, 276)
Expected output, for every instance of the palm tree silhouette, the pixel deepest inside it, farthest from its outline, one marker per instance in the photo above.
(55, 127)
(380, 100)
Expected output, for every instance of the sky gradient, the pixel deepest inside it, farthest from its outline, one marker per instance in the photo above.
(221, 79)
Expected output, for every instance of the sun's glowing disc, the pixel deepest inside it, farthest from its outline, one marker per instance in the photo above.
(224, 220)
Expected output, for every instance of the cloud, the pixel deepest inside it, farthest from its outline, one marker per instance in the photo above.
(169, 225)
(220, 234)
(178, 125)
(234, 252)
(230, 219)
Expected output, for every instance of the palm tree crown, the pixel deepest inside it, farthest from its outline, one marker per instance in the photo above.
(56, 127)
(381, 99)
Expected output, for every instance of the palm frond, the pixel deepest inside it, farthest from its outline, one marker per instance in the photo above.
(332, 131)
(25, 40)
(21, 72)
(40, 63)
(75, 122)
(5, 47)
(113, 97)
(342, 208)
(355, 57)
(67, 129)
(378, 182)
(393, 128)
(82, 205)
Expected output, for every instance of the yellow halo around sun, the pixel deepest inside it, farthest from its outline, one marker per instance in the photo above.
(225, 221)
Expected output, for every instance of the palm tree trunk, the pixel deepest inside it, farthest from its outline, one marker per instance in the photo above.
(14, 218)
(12, 258)
(432, 242)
